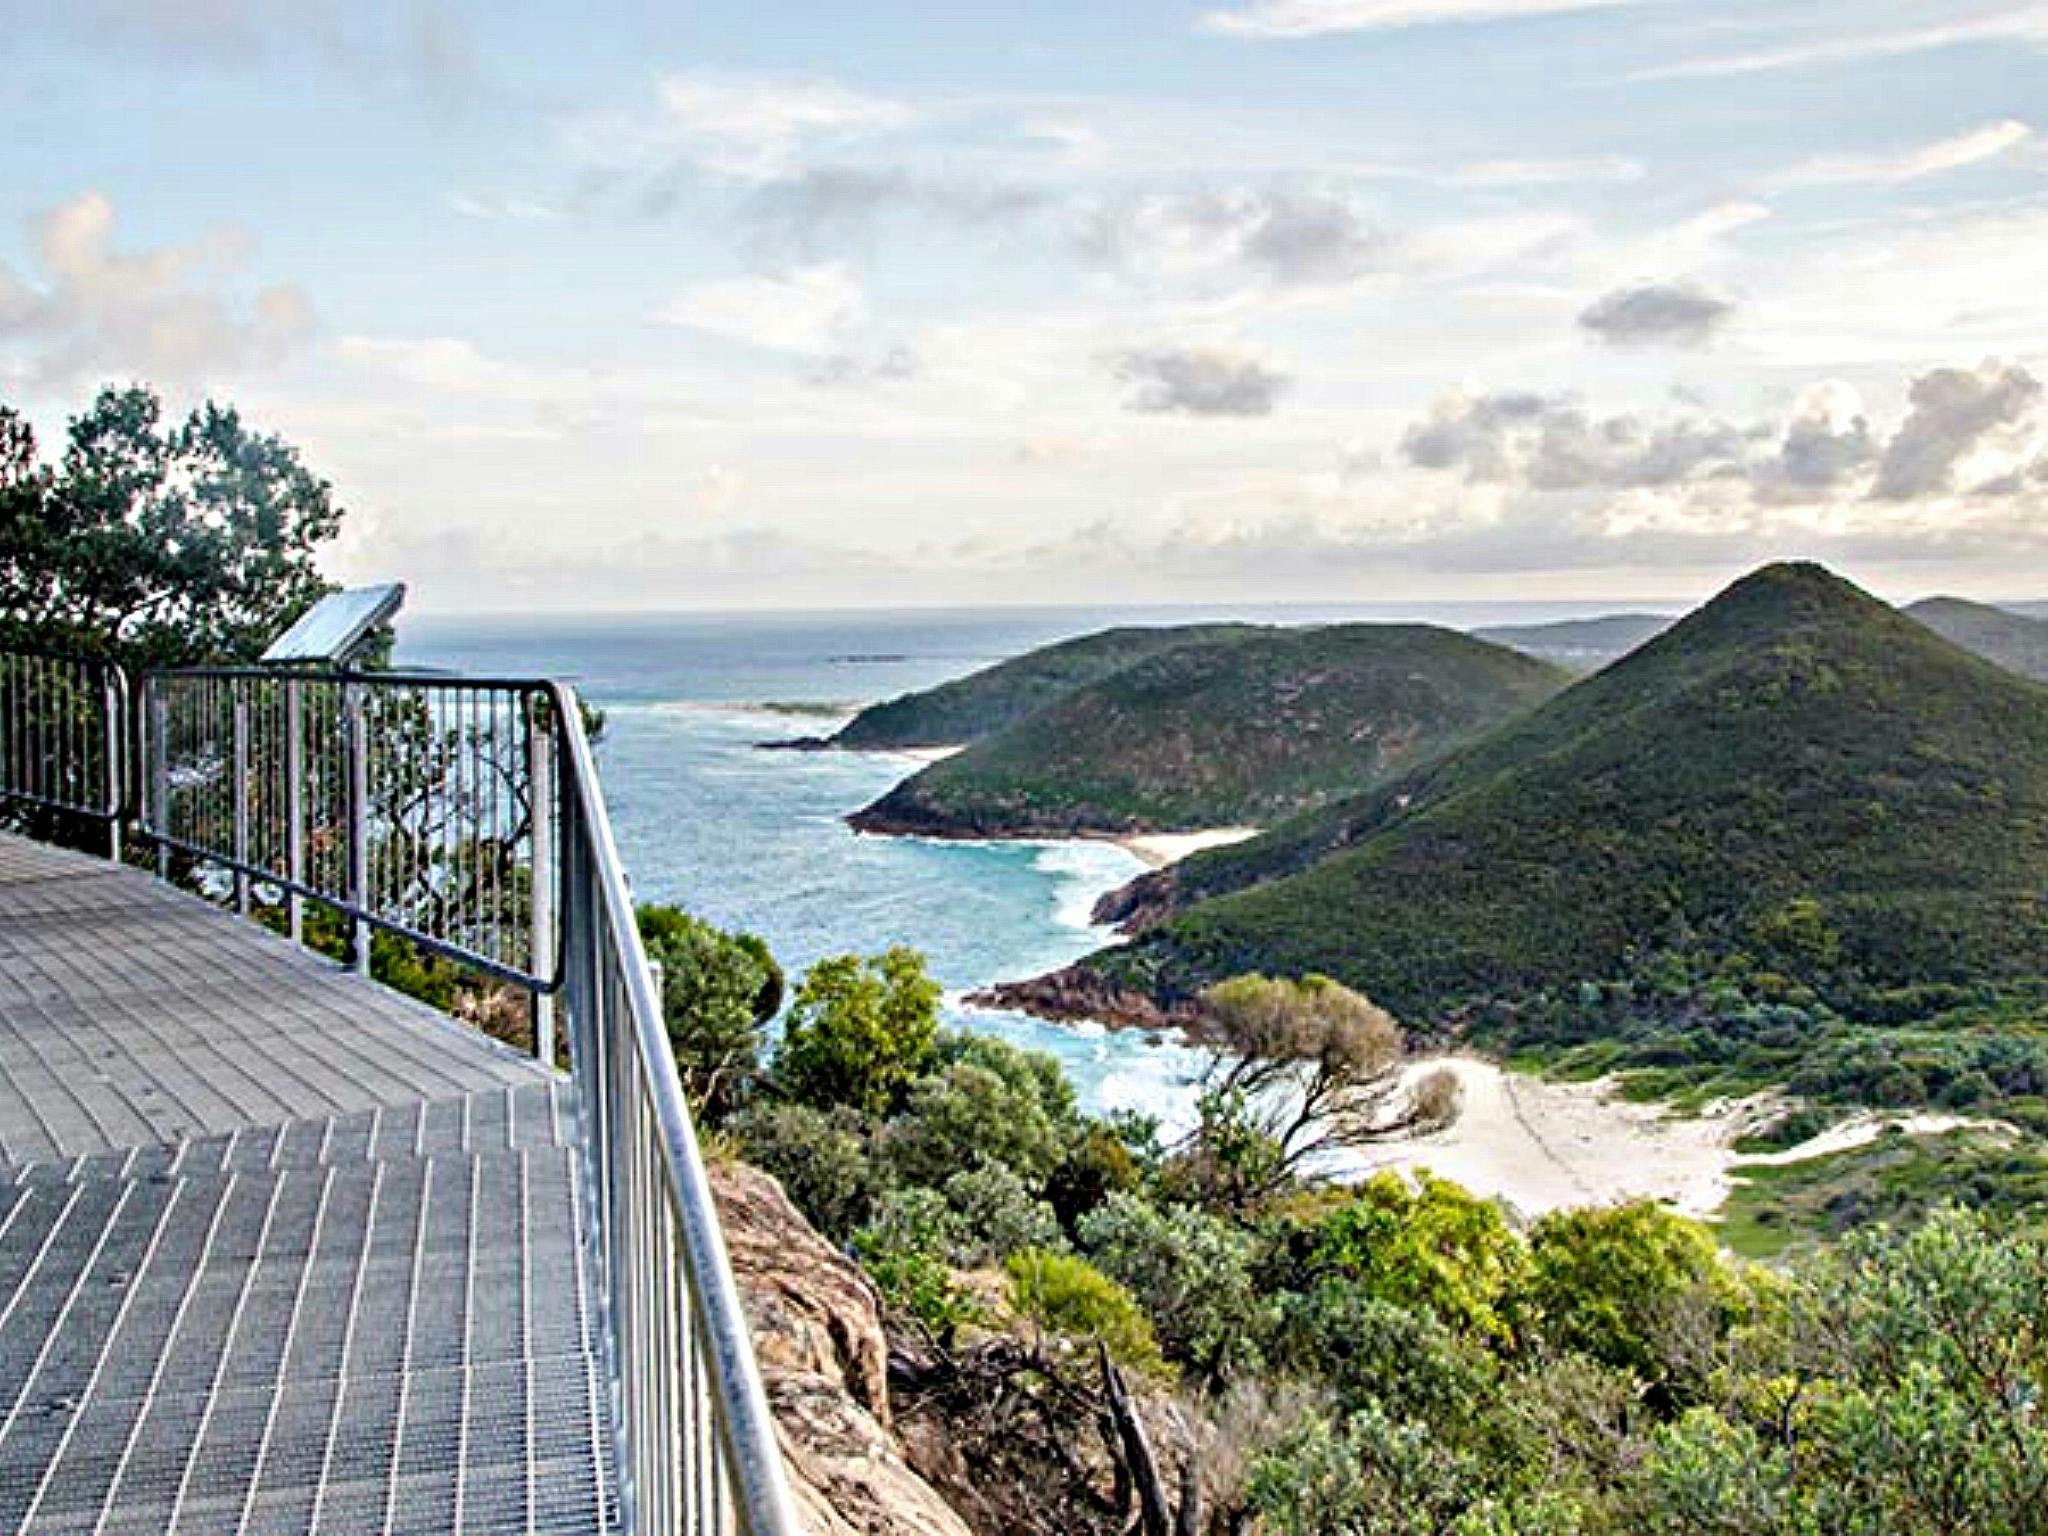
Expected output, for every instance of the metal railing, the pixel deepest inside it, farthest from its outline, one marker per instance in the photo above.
(63, 737)
(466, 816)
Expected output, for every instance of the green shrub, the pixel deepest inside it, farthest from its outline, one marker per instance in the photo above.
(1610, 1282)
(905, 1249)
(859, 1031)
(821, 1158)
(985, 1101)
(1071, 1297)
(1191, 1272)
(996, 1215)
(718, 992)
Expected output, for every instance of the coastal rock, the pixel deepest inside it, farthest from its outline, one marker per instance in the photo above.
(824, 1362)
(1142, 903)
(1077, 993)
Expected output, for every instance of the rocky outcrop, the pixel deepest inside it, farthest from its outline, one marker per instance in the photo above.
(1139, 904)
(824, 1361)
(1078, 993)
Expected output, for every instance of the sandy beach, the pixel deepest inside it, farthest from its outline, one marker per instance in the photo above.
(1159, 849)
(1541, 1145)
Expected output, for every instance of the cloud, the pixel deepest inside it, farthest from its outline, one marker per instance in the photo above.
(2023, 22)
(161, 314)
(1967, 149)
(1657, 314)
(744, 127)
(420, 44)
(1314, 18)
(809, 310)
(1564, 171)
(1825, 452)
(1954, 413)
(1188, 381)
(502, 210)
(1282, 238)
(889, 364)
(821, 210)
(1549, 443)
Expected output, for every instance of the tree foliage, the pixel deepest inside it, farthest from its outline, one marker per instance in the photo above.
(859, 1031)
(157, 542)
(1305, 1066)
(718, 992)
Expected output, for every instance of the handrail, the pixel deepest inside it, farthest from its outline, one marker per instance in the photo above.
(653, 1199)
(466, 815)
(63, 736)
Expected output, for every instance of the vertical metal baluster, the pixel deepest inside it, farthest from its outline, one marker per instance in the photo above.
(540, 788)
(294, 808)
(239, 788)
(356, 756)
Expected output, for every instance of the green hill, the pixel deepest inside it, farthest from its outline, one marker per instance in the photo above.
(969, 708)
(1581, 644)
(2013, 640)
(1797, 784)
(1241, 730)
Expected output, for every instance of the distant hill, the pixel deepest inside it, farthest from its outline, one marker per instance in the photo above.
(2013, 640)
(1585, 645)
(969, 708)
(1240, 730)
(1797, 778)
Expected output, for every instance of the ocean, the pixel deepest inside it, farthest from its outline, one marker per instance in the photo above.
(754, 840)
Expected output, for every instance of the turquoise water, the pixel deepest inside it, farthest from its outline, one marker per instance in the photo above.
(754, 840)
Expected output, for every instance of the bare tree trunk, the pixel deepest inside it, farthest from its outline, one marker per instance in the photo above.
(1134, 1448)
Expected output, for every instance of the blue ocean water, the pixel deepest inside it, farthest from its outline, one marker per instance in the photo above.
(754, 840)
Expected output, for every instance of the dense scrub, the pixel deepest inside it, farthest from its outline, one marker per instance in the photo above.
(1796, 774)
(1390, 1357)
(1239, 730)
(986, 701)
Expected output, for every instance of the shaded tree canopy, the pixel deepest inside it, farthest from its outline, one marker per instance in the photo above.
(155, 542)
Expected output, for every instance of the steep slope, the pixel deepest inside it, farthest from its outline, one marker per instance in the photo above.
(1584, 645)
(1237, 731)
(1796, 772)
(2014, 641)
(969, 708)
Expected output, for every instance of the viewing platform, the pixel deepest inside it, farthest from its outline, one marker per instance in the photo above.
(280, 1249)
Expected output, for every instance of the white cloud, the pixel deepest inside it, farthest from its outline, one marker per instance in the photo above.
(1314, 18)
(1198, 381)
(1564, 171)
(1952, 154)
(751, 127)
(1282, 238)
(162, 314)
(2024, 22)
(811, 311)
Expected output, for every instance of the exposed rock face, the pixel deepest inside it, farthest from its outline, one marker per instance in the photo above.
(824, 1360)
(1139, 904)
(1079, 993)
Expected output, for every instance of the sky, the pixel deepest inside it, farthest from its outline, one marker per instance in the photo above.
(789, 303)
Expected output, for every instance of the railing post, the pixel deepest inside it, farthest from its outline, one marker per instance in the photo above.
(540, 776)
(357, 753)
(114, 703)
(160, 775)
(238, 780)
(294, 808)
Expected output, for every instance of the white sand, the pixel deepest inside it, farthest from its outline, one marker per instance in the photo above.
(1159, 849)
(1541, 1145)
(924, 754)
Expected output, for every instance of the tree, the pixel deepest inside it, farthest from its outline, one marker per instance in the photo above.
(1307, 1065)
(859, 1031)
(718, 992)
(153, 544)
